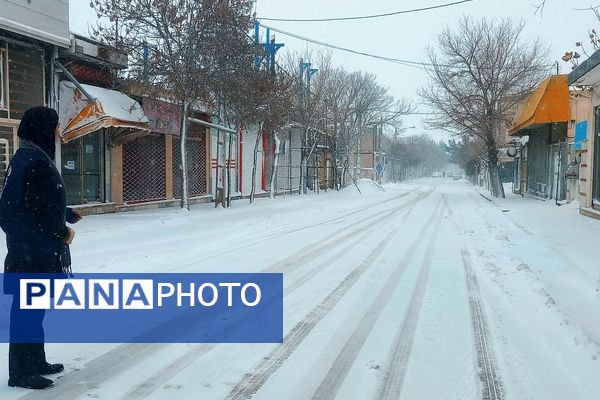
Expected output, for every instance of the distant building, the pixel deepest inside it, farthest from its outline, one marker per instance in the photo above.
(369, 153)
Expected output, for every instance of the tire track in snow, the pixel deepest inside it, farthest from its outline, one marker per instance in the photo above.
(360, 236)
(334, 379)
(151, 384)
(247, 240)
(252, 383)
(405, 337)
(125, 356)
(304, 254)
(242, 241)
(246, 388)
(492, 388)
(491, 383)
(250, 240)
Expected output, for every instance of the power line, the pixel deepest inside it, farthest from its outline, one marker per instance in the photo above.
(592, 8)
(409, 63)
(366, 16)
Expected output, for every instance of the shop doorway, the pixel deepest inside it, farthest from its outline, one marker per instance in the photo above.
(82, 169)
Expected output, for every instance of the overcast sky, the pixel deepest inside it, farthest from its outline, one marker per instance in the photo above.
(403, 36)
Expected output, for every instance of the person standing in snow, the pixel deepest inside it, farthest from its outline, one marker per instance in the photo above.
(33, 214)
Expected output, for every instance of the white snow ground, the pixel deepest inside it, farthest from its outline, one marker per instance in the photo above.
(424, 291)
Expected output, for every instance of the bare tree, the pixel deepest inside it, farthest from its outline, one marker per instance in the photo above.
(277, 116)
(539, 7)
(258, 97)
(478, 74)
(338, 109)
(180, 46)
(274, 114)
(355, 102)
(574, 56)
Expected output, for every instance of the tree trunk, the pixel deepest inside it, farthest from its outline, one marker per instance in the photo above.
(290, 163)
(495, 184)
(303, 165)
(218, 193)
(307, 159)
(254, 161)
(228, 166)
(275, 165)
(347, 171)
(184, 171)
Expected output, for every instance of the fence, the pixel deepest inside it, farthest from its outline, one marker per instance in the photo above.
(287, 178)
(320, 172)
(291, 176)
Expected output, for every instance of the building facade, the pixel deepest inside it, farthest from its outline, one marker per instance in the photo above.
(30, 35)
(542, 124)
(587, 135)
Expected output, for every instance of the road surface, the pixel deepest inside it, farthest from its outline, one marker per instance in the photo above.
(424, 291)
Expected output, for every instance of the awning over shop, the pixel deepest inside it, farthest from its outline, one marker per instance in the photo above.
(112, 109)
(549, 103)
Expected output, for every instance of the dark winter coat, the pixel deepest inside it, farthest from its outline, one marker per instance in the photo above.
(33, 208)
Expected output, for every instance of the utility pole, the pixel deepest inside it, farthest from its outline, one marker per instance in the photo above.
(270, 47)
(309, 73)
(304, 67)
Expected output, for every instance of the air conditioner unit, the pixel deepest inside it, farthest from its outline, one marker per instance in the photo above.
(96, 52)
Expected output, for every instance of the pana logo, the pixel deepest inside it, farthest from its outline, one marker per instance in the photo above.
(132, 294)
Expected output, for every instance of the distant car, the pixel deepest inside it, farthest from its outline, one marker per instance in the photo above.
(449, 175)
(457, 177)
(436, 174)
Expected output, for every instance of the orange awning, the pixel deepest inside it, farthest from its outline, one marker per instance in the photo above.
(112, 109)
(549, 103)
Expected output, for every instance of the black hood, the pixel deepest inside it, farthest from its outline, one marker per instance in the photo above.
(38, 125)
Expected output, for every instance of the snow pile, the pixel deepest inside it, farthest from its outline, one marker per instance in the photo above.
(367, 185)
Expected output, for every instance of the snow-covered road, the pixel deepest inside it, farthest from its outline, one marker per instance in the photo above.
(424, 291)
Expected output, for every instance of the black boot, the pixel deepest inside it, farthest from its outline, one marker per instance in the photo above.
(30, 382)
(49, 369)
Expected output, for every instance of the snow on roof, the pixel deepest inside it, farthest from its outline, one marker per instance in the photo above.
(79, 116)
(116, 104)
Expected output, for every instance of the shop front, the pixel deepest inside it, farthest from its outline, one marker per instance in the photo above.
(544, 118)
(93, 121)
